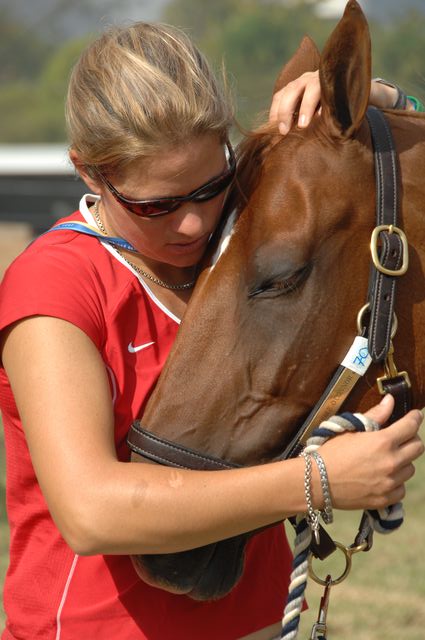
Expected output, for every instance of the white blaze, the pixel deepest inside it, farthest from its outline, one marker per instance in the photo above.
(225, 239)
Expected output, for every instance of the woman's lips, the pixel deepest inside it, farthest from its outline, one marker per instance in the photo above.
(183, 248)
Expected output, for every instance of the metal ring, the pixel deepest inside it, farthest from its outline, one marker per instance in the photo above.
(360, 315)
(365, 308)
(332, 581)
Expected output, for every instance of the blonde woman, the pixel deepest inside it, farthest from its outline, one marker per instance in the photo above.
(86, 326)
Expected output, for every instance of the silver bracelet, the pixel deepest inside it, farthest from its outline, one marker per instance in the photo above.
(401, 101)
(326, 513)
(312, 515)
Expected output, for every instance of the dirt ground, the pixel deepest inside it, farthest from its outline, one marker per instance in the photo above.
(14, 237)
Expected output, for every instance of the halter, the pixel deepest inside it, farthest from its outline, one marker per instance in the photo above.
(377, 325)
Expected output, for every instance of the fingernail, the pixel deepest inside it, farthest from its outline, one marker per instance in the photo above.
(385, 400)
(283, 128)
(302, 120)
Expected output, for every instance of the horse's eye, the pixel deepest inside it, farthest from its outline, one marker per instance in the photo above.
(281, 285)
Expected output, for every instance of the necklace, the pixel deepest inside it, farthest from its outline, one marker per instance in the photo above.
(145, 274)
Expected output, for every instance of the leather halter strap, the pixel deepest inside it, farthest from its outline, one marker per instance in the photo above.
(382, 285)
(381, 299)
(169, 453)
(392, 261)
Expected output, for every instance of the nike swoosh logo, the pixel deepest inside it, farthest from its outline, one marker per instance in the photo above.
(133, 349)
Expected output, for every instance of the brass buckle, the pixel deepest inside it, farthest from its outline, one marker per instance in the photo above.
(374, 249)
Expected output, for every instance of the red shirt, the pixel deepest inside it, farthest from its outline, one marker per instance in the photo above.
(51, 593)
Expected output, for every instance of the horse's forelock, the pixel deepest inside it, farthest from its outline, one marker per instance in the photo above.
(250, 153)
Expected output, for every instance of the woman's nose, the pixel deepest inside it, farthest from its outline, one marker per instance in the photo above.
(187, 219)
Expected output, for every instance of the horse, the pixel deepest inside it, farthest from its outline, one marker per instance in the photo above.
(276, 304)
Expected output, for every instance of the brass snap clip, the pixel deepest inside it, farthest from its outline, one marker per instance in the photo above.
(391, 372)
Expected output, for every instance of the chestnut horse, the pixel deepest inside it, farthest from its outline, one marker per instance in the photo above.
(274, 310)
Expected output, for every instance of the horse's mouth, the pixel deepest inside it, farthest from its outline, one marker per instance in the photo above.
(206, 573)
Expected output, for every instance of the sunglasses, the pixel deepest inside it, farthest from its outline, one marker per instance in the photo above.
(154, 207)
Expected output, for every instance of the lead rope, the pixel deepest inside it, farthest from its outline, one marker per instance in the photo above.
(383, 521)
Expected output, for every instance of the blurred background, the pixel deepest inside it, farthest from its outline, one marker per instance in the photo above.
(39, 42)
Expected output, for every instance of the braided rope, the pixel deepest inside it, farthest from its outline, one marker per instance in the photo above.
(382, 520)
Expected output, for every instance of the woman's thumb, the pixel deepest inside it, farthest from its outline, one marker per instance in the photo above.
(382, 411)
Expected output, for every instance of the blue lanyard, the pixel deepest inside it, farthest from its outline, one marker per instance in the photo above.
(83, 227)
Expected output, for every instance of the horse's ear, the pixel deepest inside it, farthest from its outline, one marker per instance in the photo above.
(345, 73)
(306, 58)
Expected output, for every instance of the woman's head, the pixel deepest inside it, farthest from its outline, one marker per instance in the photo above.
(138, 90)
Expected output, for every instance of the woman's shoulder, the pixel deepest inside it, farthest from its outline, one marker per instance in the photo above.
(62, 253)
(63, 274)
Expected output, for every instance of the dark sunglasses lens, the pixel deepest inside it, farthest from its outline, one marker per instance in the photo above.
(214, 189)
(151, 209)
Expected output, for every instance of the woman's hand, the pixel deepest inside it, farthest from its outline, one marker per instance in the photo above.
(301, 95)
(369, 470)
(300, 99)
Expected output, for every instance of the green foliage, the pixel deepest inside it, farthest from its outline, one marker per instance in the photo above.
(32, 107)
(256, 44)
(399, 50)
(22, 53)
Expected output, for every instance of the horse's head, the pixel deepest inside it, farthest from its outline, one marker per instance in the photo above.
(275, 310)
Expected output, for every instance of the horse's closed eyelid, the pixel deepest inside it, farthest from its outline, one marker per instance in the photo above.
(281, 285)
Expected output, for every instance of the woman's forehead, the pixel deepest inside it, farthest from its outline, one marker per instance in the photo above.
(197, 160)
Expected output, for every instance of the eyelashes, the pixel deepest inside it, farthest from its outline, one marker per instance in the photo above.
(280, 286)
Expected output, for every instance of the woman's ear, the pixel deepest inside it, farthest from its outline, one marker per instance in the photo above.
(81, 168)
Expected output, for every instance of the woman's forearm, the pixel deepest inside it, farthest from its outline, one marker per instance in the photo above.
(145, 508)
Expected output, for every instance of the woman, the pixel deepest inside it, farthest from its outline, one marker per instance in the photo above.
(86, 326)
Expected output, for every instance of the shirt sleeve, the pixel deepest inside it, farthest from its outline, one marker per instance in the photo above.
(54, 279)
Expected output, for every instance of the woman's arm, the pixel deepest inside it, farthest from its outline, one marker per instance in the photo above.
(101, 505)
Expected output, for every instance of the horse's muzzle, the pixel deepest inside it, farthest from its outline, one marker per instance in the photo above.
(205, 573)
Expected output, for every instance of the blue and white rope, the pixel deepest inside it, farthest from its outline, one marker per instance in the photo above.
(383, 520)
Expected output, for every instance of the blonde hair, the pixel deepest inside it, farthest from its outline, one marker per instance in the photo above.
(141, 88)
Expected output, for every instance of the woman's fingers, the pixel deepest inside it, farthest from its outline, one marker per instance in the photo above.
(406, 429)
(310, 100)
(411, 450)
(301, 96)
